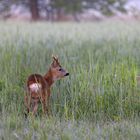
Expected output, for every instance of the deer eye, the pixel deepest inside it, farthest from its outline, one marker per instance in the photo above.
(60, 69)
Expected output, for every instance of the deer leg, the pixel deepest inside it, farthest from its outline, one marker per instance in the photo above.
(48, 106)
(48, 102)
(35, 107)
(45, 105)
(27, 103)
(45, 109)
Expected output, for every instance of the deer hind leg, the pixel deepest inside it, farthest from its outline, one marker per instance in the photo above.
(27, 103)
(35, 107)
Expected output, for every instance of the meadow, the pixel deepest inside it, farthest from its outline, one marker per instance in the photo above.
(100, 100)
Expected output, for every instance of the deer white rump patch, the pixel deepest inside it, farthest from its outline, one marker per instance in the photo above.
(35, 87)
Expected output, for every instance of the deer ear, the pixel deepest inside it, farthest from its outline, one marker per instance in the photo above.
(55, 61)
(55, 57)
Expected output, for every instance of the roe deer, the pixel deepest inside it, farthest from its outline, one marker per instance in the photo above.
(38, 87)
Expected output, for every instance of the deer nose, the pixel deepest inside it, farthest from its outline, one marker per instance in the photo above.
(66, 74)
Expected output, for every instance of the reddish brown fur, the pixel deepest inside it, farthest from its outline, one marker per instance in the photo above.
(32, 98)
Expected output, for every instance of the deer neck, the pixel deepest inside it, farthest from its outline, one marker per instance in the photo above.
(49, 78)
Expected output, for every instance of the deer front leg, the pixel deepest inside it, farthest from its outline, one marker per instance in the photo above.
(45, 105)
(45, 109)
(48, 106)
(48, 102)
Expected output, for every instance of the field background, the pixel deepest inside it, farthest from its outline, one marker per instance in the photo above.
(101, 97)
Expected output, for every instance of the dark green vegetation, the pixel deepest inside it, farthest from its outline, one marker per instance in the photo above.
(101, 97)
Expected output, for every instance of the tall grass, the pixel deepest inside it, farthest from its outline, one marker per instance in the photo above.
(103, 60)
